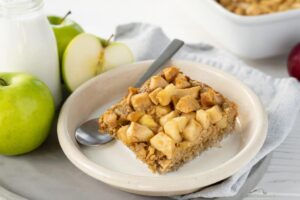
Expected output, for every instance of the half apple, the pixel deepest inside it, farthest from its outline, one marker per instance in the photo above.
(85, 57)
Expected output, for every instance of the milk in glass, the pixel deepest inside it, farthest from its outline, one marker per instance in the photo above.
(27, 43)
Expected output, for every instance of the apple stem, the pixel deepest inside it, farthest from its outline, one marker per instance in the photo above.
(3, 82)
(109, 39)
(65, 17)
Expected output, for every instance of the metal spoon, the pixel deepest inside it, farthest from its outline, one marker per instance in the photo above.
(88, 133)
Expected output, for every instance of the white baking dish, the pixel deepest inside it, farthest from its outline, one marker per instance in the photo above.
(251, 37)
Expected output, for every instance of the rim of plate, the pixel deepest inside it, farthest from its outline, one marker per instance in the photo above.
(172, 184)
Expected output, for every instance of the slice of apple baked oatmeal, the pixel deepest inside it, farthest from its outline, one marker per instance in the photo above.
(170, 119)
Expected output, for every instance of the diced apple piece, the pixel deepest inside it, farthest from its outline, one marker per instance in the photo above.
(219, 99)
(156, 82)
(164, 164)
(192, 131)
(110, 119)
(164, 144)
(122, 134)
(131, 91)
(170, 73)
(165, 95)
(185, 144)
(171, 129)
(181, 81)
(138, 133)
(162, 110)
(153, 94)
(141, 102)
(134, 116)
(203, 118)
(175, 100)
(148, 121)
(167, 117)
(214, 113)
(187, 104)
(181, 122)
(207, 98)
(222, 123)
(193, 91)
(190, 116)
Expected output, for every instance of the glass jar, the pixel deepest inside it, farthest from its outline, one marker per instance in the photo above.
(27, 43)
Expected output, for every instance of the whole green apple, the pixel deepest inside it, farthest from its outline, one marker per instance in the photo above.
(64, 30)
(26, 113)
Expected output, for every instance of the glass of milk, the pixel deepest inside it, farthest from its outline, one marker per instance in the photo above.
(27, 43)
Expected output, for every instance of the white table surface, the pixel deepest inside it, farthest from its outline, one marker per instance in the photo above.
(100, 17)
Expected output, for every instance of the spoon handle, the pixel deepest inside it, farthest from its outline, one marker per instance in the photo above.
(164, 57)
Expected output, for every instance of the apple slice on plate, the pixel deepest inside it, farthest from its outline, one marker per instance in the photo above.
(85, 57)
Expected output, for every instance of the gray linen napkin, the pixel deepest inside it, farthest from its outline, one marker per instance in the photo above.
(281, 97)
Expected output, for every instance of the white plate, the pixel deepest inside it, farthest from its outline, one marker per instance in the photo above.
(115, 165)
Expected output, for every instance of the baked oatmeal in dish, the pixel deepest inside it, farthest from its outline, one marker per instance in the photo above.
(259, 7)
(170, 119)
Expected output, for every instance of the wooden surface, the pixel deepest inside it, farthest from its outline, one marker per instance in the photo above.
(282, 180)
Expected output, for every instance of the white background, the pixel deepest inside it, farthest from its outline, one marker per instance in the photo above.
(100, 17)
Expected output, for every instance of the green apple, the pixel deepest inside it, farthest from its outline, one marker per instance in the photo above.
(87, 56)
(26, 113)
(65, 30)
(116, 54)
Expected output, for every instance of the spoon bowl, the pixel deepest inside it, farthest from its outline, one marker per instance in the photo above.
(88, 134)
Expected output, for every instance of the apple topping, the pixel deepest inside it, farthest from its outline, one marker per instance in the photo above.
(190, 116)
(186, 144)
(162, 110)
(171, 129)
(164, 164)
(172, 93)
(193, 91)
(111, 119)
(141, 102)
(156, 82)
(222, 123)
(170, 73)
(134, 116)
(164, 96)
(207, 98)
(151, 152)
(164, 144)
(203, 118)
(167, 117)
(214, 113)
(181, 81)
(174, 126)
(138, 133)
(181, 122)
(131, 91)
(192, 131)
(187, 104)
(153, 95)
(148, 121)
(175, 100)
(219, 99)
(122, 134)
